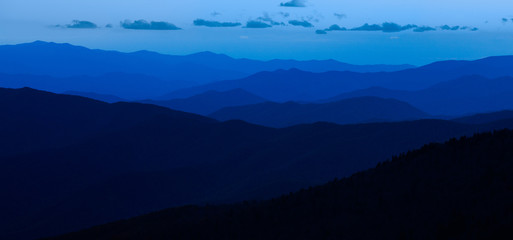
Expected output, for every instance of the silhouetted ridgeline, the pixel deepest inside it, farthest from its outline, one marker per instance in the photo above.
(458, 190)
(347, 111)
(137, 75)
(101, 97)
(465, 95)
(210, 101)
(69, 162)
(298, 85)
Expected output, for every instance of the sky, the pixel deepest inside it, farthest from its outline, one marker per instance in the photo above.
(360, 32)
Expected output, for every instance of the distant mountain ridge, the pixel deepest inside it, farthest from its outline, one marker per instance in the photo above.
(62, 60)
(123, 85)
(100, 97)
(298, 85)
(461, 96)
(210, 101)
(348, 111)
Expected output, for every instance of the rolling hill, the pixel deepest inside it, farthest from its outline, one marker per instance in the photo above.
(349, 111)
(100, 97)
(298, 85)
(485, 117)
(462, 96)
(457, 190)
(70, 162)
(209, 102)
(126, 86)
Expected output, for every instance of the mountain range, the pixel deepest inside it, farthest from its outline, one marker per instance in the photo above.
(70, 162)
(461, 96)
(348, 111)
(111, 135)
(66, 63)
(210, 101)
(298, 85)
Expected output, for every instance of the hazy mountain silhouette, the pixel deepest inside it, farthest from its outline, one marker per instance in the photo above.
(70, 162)
(465, 95)
(299, 85)
(68, 61)
(96, 96)
(354, 110)
(457, 190)
(127, 86)
(210, 101)
(486, 117)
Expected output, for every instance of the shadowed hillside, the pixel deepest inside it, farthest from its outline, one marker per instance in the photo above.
(355, 110)
(457, 190)
(70, 162)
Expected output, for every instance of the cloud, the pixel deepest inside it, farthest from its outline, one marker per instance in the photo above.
(294, 3)
(81, 24)
(320, 32)
(268, 19)
(394, 27)
(206, 23)
(144, 25)
(335, 27)
(257, 24)
(313, 18)
(285, 14)
(424, 29)
(367, 27)
(387, 27)
(449, 28)
(339, 15)
(300, 23)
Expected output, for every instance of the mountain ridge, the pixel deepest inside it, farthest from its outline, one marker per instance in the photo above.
(210, 101)
(347, 111)
(453, 190)
(457, 97)
(66, 176)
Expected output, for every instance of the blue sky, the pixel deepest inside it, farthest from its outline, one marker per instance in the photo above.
(290, 32)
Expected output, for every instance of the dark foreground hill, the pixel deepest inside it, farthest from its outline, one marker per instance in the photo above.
(34, 120)
(462, 189)
(69, 162)
(348, 111)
